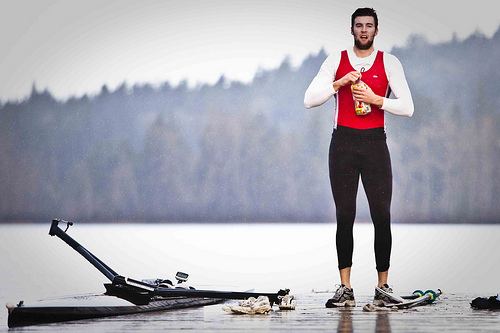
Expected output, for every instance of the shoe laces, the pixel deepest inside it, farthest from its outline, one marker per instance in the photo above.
(340, 290)
(387, 288)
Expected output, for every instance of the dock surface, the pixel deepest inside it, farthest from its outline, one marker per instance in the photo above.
(451, 313)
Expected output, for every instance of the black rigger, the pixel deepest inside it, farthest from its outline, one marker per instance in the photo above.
(138, 291)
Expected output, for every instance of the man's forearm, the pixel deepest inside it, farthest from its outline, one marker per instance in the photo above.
(337, 85)
(399, 107)
(318, 93)
(378, 101)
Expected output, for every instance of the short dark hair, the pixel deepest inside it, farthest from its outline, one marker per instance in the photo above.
(364, 12)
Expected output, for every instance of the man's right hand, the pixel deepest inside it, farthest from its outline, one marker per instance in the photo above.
(349, 78)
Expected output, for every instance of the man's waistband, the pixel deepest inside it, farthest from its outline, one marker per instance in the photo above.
(354, 133)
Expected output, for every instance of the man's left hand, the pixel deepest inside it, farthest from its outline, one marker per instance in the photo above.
(368, 96)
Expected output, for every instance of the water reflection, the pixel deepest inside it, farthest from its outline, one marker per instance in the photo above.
(382, 323)
(345, 322)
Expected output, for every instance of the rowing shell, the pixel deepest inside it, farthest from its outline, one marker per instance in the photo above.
(93, 306)
(123, 295)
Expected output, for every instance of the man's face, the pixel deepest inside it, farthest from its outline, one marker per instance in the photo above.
(364, 32)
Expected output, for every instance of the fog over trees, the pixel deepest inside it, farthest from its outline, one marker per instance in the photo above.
(252, 152)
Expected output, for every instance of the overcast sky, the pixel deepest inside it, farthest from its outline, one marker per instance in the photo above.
(73, 47)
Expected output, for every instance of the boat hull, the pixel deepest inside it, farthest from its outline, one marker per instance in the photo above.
(94, 306)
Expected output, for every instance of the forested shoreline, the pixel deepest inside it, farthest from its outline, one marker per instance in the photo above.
(233, 152)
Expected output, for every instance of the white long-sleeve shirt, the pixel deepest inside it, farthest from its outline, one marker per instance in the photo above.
(321, 88)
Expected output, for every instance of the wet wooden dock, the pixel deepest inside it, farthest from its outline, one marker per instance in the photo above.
(451, 314)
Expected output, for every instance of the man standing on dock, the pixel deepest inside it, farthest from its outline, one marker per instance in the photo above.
(361, 78)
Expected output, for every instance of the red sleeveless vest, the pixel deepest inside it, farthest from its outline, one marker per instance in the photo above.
(376, 79)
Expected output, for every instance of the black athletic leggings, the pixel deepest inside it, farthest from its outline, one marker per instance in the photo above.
(355, 153)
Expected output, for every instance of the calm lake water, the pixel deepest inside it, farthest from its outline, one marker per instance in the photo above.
(462, 260)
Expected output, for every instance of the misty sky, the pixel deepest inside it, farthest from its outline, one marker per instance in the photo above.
(73, 47)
